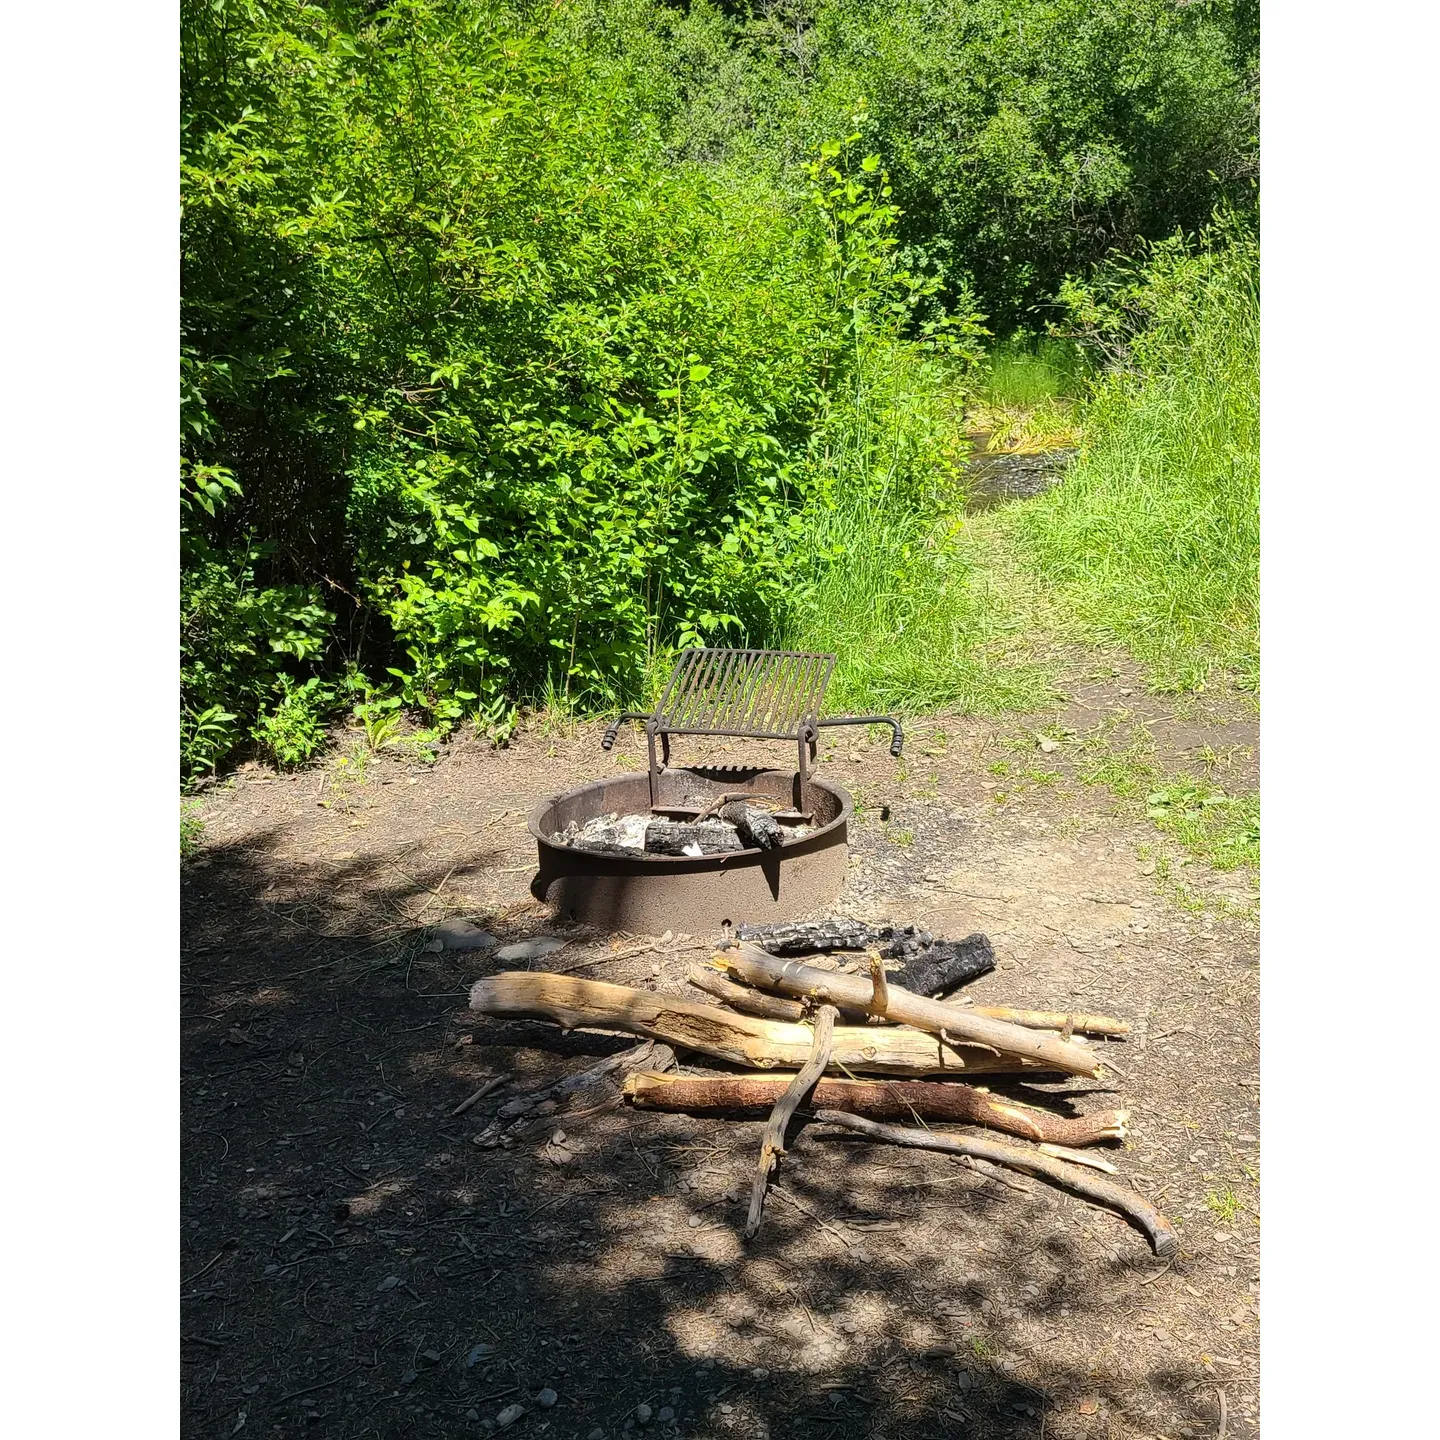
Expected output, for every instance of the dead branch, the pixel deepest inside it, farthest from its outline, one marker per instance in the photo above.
(1054, 1020)
(1096, 1189)
(591, 1091)
(954, 1023)
(1078, 1157)
(742, 997)
(751, 1043)
(879, 990)
(875, 1099)
(772, 1142)
(493, 1083)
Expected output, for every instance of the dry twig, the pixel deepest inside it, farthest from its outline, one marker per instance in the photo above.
(772, 1142)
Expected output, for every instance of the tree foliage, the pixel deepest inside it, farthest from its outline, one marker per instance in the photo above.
(516, 339)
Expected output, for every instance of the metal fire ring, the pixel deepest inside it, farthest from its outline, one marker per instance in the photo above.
(649, 894)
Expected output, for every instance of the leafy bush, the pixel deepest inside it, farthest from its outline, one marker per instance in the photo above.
(1026, 138)
(294, 731)
(563, 395)
(523, 345)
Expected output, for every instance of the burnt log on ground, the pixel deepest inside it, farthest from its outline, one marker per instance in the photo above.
(876, 1100)
(946, 965)
(823, 937)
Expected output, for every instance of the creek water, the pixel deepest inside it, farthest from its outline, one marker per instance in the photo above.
(997, 476)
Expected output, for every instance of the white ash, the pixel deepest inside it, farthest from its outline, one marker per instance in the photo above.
(627, 832)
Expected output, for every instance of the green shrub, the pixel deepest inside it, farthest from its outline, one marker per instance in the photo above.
(294, 731)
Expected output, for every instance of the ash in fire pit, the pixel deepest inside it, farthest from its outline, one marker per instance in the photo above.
(737, 826)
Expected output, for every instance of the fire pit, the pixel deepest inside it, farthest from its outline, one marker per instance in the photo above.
(761, 845)
(650, 894)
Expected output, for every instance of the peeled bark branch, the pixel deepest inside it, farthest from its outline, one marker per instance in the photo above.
(952, 1022)
(772, 1142)
(743, 998)
(752, 1044)
(1055, 1020)
(1095, 1188)
(875, 1099)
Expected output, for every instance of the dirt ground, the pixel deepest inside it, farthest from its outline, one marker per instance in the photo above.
(353, 1265)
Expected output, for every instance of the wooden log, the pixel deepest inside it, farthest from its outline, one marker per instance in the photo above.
(743, 998)
(816, 937)
(1095, 1188)
(946, 965)
(743, 1040)
(876, 1100)
(664, 837)
(952, 1023)
(1055, 1020)
(772, 1139)
(757, 828)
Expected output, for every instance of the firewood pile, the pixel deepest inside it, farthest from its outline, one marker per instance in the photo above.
(811, 1018)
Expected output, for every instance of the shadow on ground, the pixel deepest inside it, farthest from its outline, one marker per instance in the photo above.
(353, 1265)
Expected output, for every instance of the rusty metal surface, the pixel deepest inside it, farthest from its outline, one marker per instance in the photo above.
(763, 694)
(649, 894)
(751, 694)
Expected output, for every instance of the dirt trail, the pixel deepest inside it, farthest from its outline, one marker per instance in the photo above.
(324, 1050)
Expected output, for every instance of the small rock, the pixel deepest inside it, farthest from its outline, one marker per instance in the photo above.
(667, 937)
(964, 1379)
(459, 935)
(558, 1138)
(1047, 745)
(856, 757)
(535, 949)
(388, 1283)
(272, 1269)
(937, 1352)
(695, 1221)
(432, 1357)
(410, 1376)
(643, 1414)
(666, 1415)
(727, 1409)
(596, 1434)
(546, 1398)
(472, 1415)
(477, 1354)
(509, 1415)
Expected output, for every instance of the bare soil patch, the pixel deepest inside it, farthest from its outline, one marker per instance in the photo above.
(354, 1266)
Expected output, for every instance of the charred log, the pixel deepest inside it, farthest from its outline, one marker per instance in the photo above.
(758, 829)
(665, 837)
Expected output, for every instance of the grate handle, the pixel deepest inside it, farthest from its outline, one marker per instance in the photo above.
(613, 729)
(897, 738)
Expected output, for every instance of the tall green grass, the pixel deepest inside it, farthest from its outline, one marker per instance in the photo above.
(1153, 538)
(887, 580)
(1027, 370)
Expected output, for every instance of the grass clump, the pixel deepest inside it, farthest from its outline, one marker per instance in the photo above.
(887, 578)
(192, 829)
(1153, 539)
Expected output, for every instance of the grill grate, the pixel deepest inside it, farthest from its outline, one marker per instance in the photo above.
(755, 694)
(763, 694)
